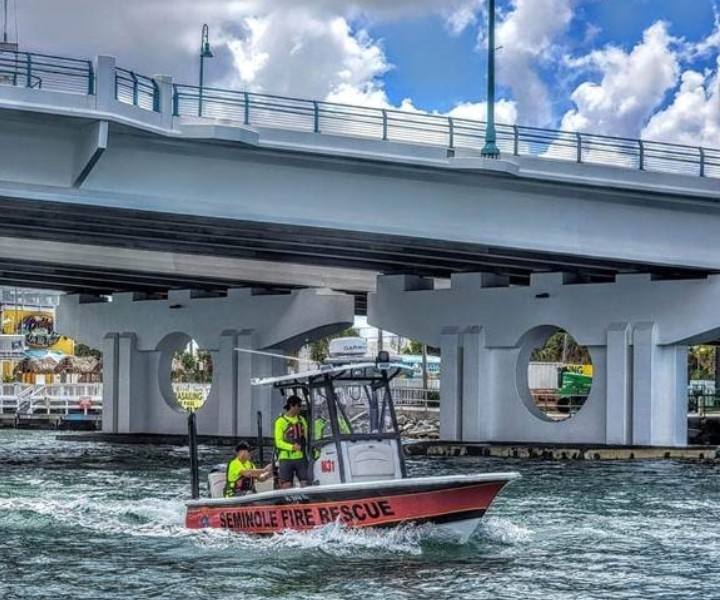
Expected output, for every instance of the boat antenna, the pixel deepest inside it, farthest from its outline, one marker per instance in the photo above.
(274, 355)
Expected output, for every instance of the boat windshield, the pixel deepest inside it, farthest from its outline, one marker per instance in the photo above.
(361, 408)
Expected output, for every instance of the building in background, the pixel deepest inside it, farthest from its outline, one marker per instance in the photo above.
(28, 334)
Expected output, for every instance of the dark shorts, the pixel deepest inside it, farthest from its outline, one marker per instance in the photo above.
(288, 469)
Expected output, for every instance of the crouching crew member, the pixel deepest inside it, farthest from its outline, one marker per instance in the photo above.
(242, 473)
(291, 434)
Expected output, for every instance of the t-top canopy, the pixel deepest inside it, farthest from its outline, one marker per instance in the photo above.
(306, 376)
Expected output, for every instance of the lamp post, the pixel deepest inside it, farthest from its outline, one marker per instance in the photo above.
(490, 150)
(205, 52)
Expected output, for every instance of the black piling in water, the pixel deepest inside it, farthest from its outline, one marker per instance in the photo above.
(194, 470)
(260, 445)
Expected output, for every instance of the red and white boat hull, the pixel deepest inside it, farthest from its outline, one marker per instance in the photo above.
(456, 503)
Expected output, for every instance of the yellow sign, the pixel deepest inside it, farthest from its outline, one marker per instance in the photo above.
(582, 369)
(191, 399)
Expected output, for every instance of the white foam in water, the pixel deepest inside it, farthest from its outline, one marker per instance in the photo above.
(333, 539)
(143, 517)
(504, 531)
(156, 517)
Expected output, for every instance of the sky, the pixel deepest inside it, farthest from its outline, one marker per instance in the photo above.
(629, 68)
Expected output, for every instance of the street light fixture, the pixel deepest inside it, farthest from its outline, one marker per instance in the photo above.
(205, 52)
(490, 150)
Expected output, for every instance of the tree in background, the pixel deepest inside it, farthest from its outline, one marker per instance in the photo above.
(189, 367)
(561, 347)
(415, 348)
(701, 362)
(83, 350)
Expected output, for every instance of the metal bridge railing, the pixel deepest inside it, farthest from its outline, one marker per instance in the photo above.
(43, 71)
(46, 72)
(137, 90)
(265, 110)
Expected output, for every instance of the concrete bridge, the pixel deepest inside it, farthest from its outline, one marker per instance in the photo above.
(116, 182)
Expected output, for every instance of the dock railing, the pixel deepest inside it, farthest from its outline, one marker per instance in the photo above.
(52, 399)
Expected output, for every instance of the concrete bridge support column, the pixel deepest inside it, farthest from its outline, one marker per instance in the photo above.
(659, 389)
(466, 375)
(451, 416)
(618, 405)
(139, 337)
(636, 329)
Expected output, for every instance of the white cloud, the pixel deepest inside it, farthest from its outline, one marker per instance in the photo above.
(299, 53)
(151, 37)
(464, 15)
(693, 117)
(506, 111)
(633, 85)
(528, 37)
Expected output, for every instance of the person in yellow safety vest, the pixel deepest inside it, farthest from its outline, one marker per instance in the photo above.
(241, 473)
(320, 425)
(322, 422)
(291, 436)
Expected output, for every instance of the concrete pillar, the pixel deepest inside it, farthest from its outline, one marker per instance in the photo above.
(219, 415)
(105, 82)
(138, 392)
(451, 354)
(670, 398)
(165, 87)
(131, 377)
(644, 384)
(474, 422)
(618, 408)
(110, 383)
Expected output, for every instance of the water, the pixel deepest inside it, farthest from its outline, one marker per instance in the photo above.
(99, 521)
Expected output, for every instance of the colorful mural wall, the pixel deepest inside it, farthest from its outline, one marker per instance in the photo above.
(38, 328)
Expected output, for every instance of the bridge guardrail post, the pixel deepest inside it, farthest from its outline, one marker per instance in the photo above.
(247, 108)
(384, 125)
(451, 133)
(28, 70)
(316, 117)
(641, 155)
(105, 83)
(165, 99)
(91, 78)
(578, 142)
(702, 162)
(134, 88)
(516, 140)
(176, 100)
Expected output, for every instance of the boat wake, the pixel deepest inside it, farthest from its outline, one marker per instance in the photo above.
(503, 531)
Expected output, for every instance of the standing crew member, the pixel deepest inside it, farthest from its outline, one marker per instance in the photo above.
(291, 434)
(242, 473)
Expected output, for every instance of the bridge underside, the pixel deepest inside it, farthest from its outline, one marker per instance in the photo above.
(135, 250)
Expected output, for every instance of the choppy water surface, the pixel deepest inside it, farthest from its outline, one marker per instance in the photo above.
(99, 521)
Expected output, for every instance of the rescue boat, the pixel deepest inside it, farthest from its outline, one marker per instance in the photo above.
(356, 460)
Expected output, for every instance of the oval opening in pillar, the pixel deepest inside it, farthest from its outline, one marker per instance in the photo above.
(191, 374)
(560, 375)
